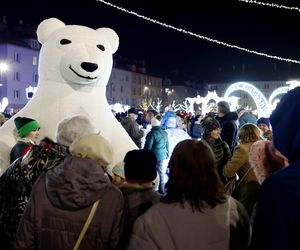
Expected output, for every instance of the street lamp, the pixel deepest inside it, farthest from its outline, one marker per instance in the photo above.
(146, 89)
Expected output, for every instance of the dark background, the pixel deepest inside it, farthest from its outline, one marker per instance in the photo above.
(168, 52)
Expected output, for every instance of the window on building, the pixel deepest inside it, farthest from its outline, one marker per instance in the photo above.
(134, 91)
(35, 44)
(35, 78)
(113, 89)
(16, 94)
(127, 78)
(35, 61)
(17, 57)
(121, 89)
(17, 76)
(127, 101)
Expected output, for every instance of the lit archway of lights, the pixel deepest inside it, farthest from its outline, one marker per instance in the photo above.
(261, 102)
(205, 101)
(276, 92)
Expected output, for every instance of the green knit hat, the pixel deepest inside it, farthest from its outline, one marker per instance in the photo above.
(25, 125)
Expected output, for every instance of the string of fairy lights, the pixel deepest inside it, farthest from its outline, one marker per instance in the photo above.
(233, 46)
(274, 5)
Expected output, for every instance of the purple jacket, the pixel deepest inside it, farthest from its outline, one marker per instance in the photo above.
(60, 203)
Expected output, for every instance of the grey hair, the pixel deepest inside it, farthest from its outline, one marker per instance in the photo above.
(223, 107)
(71, 128)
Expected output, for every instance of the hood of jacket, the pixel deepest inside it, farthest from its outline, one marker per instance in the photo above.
(76, 183)
(285, 121)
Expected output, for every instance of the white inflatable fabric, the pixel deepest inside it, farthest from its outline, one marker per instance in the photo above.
(74, 67)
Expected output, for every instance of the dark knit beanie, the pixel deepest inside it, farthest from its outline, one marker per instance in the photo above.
(25, 125)
(132, 111)
(209, 124)
(263, 120)
(140, 165)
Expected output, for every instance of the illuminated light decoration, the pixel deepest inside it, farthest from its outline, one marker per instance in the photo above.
(211, 96)
(276, 92)
(4, 104)
(30, 91)
(200, 36)
(259, 99)
(156, 106)
(185, 106)
(119, 108)
(274, 5)
(282, 90)
(174, 106)
(126, 107)
(145, 104)
(293, 83)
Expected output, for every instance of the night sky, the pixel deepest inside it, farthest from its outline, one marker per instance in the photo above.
(168, 52)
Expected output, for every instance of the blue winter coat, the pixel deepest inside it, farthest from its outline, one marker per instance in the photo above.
(157, 141)
(247, 118)
(277, 222)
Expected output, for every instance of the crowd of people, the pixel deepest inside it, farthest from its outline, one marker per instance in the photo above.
(169, 193)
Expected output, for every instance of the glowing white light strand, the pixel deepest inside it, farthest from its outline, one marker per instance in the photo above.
(200, 36)
(271, 5)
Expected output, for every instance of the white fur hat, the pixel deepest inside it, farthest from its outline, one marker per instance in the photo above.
(155, 122)
(93, 146)
(69, 129)
(171, 122)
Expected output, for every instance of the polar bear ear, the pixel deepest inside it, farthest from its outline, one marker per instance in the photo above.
(111, 36)
(47, 27)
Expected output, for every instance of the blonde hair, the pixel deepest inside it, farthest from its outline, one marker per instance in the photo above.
(249, 133)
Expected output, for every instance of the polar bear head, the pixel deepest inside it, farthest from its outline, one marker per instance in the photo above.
(75, 54)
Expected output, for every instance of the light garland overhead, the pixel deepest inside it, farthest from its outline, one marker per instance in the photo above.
(200, 36)
(271, 5)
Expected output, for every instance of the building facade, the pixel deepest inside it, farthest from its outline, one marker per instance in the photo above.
(19, 70)
(133, 87)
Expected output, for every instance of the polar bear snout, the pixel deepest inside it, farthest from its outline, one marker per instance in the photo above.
(89, 67)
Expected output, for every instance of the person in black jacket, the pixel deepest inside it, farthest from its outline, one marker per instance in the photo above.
(212, 132)
(228, 122)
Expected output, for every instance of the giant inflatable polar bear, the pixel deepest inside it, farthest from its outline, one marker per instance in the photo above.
(74, 67)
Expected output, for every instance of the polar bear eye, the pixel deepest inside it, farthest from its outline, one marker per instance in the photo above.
(101, 47)
(65, 41)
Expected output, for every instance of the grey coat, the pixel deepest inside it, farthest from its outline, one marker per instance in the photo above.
(171, 226)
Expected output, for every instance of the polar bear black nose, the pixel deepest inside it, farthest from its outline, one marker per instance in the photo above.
(89, 67)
